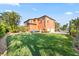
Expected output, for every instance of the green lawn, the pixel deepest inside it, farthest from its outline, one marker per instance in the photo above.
(40, 44)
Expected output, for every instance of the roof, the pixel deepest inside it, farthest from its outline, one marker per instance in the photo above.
(47, 16)
(39, 18)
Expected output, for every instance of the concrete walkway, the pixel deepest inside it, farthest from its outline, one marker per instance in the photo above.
(3, 44)
(62, 32)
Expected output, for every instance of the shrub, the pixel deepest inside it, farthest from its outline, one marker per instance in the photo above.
(2, 30)
(73, 32)
(22, 28)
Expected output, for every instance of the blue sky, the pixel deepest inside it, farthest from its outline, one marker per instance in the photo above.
(61, 12)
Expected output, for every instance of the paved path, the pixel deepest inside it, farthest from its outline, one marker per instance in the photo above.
(62, 32)
(3, 44)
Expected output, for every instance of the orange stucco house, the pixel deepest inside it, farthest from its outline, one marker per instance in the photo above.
(41, 24)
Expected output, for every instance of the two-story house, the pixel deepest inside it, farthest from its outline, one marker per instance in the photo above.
(41, 24)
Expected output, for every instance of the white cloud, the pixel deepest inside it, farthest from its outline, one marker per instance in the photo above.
(34, 9)
(14, 4)
(76, 11)
(71, 4)
(69, 13)
(8, 10)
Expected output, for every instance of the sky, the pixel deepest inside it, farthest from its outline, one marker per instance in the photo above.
(61, 12)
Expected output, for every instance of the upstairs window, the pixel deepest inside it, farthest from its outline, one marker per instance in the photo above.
(34, 20)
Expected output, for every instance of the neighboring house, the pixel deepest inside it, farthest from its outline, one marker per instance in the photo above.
(41, 24)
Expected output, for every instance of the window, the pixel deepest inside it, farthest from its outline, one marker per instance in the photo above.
(34, 20)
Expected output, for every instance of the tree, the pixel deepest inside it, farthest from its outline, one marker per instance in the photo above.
(64, 27)
(9, 21)
(77, 28)
(74, 30)
(72, 27)
(57, 26)
(23, 28)
(2, 27)
(12, 20)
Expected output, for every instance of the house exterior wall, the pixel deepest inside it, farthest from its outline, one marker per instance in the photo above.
(41, 24)
(32, 25)
(50, 25)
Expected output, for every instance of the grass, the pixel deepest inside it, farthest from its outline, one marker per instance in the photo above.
(40, 45)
